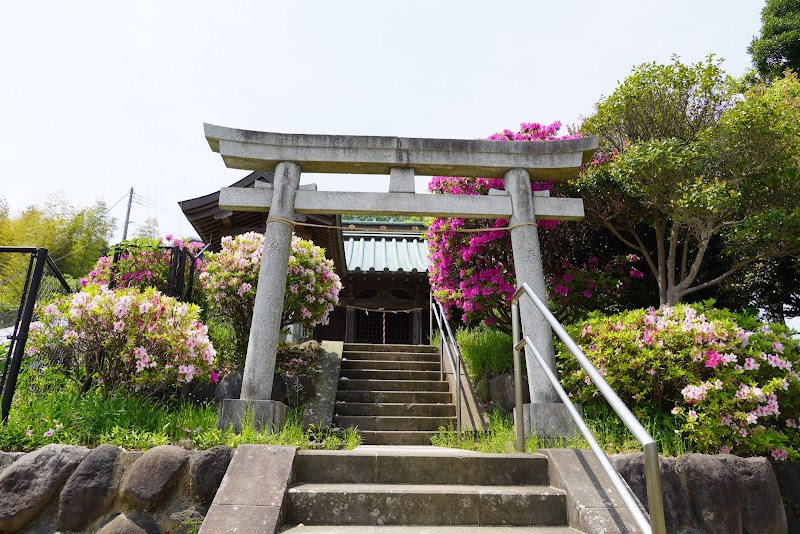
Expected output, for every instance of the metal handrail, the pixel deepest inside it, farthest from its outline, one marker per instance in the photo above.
(652, 471)
(449, 342)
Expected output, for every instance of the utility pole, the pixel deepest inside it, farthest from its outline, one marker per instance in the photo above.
(127, 216)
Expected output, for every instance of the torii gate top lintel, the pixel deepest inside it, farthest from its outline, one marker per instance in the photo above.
(355, 154)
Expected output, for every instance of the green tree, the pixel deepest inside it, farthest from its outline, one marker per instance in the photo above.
(75, 237)
(147, 229)
(685, 159)
(778, 46)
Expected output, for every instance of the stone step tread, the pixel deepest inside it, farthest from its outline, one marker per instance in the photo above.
(439, 452)
(391, 365)
(391, 356)
(436, 504)
(373, 347)
(371, 396)
(367, 384)
(424, 489)
(422, 529)
(373, 422)
(420, 465)
(390, 374)
(397, 408)
(397, 437)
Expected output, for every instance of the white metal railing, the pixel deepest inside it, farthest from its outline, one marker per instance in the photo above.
(651, 467)
(450, 348)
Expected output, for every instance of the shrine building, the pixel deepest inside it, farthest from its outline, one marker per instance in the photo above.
(383, 266)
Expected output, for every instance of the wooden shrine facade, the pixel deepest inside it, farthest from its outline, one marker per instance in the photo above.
(383, 267)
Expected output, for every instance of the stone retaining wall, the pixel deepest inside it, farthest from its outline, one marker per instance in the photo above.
(168, 489)
(721, 494)
(108, 490)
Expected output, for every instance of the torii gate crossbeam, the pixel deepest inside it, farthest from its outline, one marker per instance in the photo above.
(287, 155)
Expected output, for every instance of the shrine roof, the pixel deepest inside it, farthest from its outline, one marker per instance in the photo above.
(388, 253)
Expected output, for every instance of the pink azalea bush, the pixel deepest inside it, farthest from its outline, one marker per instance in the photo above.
(230, 278)
(475, 271)
(123, 338)
(142, 263)
(730, 381)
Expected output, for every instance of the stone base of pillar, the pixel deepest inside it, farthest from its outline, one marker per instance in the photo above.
(550, 422)
(263, 414)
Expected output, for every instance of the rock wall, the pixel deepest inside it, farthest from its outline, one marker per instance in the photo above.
(721, 494)
(168, 489)
(108, 490)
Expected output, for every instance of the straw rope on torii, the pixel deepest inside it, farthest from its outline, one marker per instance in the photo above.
(401, 158)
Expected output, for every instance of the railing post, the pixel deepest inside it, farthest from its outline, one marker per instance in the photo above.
(456, 365)
(652, 471)
(519, 419)
(430, 318)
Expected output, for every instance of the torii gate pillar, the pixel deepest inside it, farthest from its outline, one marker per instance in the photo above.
(545, 416)
(265, 328)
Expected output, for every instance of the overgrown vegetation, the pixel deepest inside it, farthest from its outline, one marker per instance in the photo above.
(728, 381)
(49, 409)
(487, 352)
(606, 427)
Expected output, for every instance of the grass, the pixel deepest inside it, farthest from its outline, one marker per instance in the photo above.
(48, 409)
(606, 427)
(486, 352)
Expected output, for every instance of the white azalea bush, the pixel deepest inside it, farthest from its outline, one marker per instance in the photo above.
(123, 338)
(231, 276)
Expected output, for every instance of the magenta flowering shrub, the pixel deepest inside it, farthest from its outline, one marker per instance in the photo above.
(142, 263)
(731, 388)
(123, 339)
(578, 289)
(475, 271)
(230, 278)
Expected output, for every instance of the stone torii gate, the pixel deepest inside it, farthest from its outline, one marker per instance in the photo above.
(287, 155)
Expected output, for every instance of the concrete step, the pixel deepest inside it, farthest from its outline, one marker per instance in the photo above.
(390, 348)
(396, 437)
(393, 385)
(393, 356)
(414, 504)
(395, 397)
(408, 466)
(371, 422)
(407, 365)
(422, 529)
(390, 374)
(407, 409)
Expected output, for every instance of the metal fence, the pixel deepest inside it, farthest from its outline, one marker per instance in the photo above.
(27, 276)
(181, 280)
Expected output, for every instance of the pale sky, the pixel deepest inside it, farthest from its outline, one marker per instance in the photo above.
(97, 97)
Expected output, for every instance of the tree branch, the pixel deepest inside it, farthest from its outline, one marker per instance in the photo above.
(718, 279)
(685, 255)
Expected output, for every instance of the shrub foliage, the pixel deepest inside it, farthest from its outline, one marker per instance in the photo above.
(729, 380)
(230, 279)
(123, 339)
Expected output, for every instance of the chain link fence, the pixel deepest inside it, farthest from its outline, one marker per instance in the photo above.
(27, 276)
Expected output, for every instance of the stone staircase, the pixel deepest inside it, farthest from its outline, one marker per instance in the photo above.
(393, 394)
(430, 490)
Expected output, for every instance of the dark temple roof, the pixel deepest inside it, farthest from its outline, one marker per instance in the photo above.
(212, 223)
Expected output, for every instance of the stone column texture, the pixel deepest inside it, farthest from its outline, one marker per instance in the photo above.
(262, 347)
(528, 267)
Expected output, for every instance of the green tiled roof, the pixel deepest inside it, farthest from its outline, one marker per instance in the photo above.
(386, 254)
